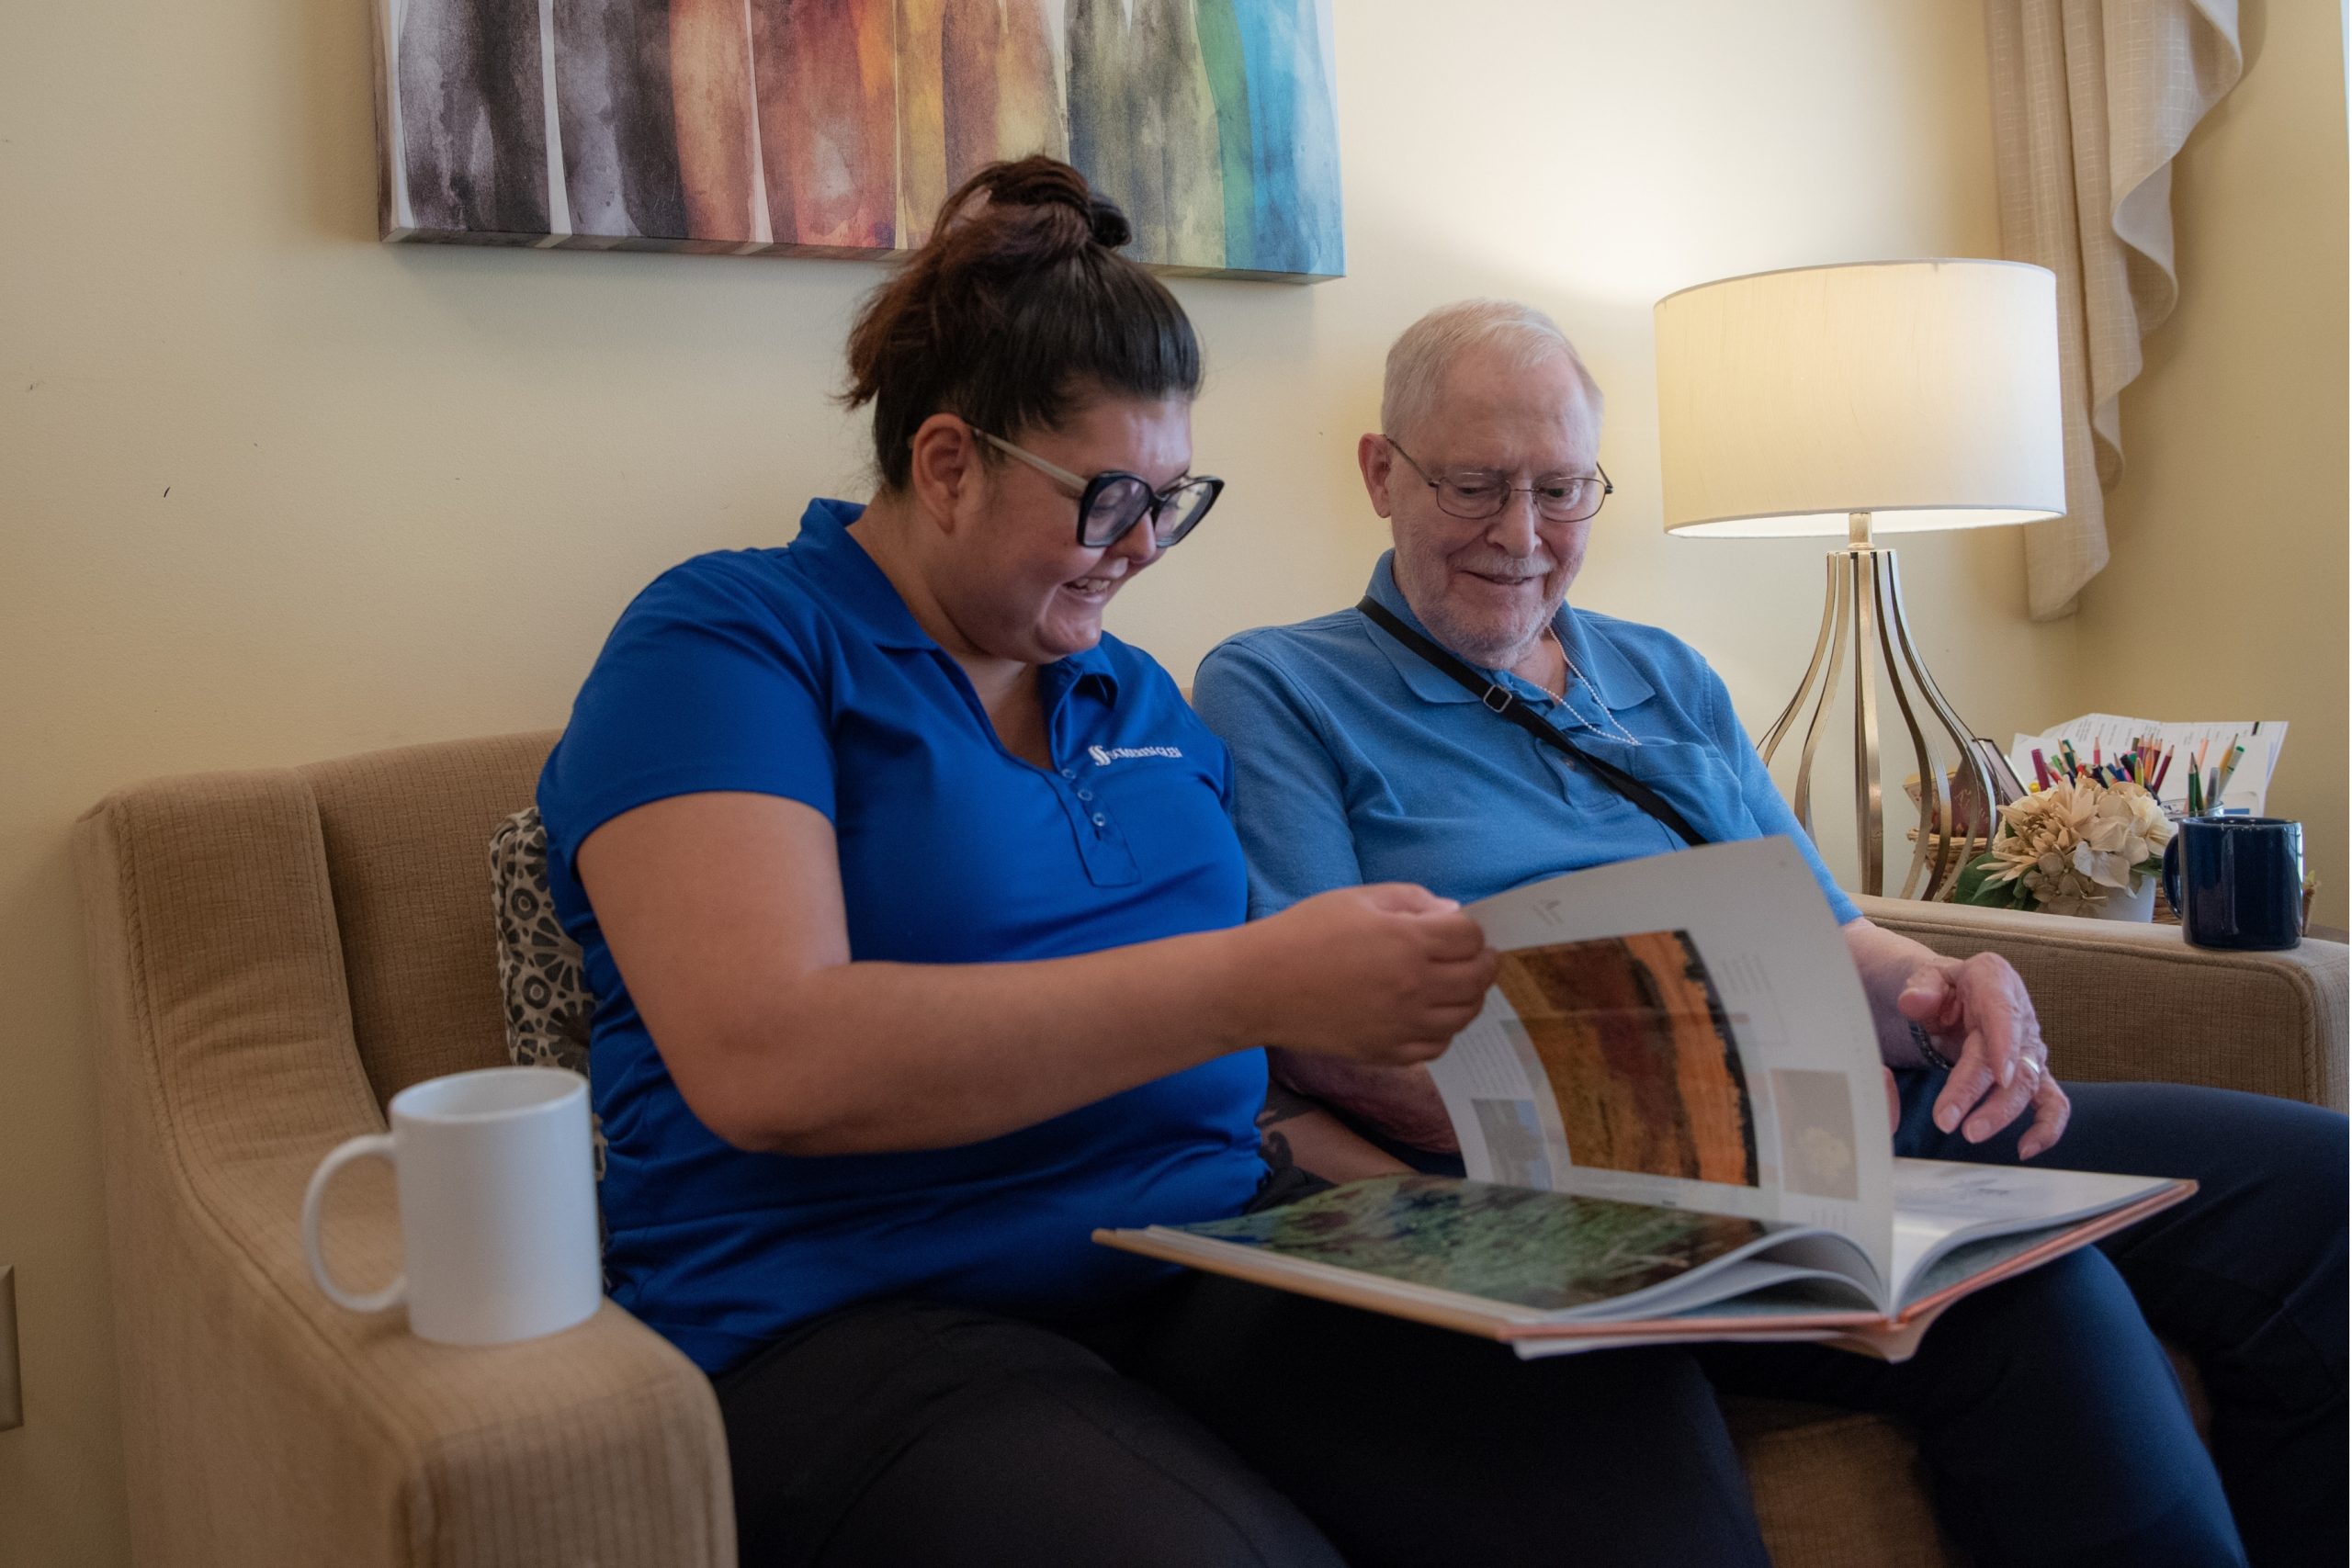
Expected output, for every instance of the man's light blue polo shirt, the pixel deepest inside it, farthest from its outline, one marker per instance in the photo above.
(1355, 761)
(798, 673)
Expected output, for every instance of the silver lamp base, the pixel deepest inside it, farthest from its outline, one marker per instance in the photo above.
(1864, 607)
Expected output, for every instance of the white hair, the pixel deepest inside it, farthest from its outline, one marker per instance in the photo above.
(1418, 359)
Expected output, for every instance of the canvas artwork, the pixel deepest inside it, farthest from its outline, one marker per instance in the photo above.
(838, 126)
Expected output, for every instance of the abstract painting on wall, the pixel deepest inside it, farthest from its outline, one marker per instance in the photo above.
(837, 127)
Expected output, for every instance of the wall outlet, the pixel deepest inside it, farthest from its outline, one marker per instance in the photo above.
(12, 1391)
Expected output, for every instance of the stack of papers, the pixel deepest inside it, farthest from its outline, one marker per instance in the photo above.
(2110, 735)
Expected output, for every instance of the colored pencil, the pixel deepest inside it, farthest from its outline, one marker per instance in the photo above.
(2229, 766)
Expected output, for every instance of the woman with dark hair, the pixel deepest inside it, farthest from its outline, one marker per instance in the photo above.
(928, 892)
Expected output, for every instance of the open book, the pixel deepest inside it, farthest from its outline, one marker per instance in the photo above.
(1675, 1128)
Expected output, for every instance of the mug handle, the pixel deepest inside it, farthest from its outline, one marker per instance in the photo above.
(2172, 876)
(378, 1145)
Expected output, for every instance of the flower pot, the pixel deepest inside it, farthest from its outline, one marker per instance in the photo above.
(2138, 903)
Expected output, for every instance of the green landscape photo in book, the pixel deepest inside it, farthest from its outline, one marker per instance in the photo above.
(1544, 1250)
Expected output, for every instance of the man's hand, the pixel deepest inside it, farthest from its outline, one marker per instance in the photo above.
(1397, 1102)
(1978, 1014)
(1295, 1130)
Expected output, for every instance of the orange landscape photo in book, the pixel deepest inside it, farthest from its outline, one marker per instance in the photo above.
(1632, 1034)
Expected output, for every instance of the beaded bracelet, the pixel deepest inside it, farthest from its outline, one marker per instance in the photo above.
(1927, 1052)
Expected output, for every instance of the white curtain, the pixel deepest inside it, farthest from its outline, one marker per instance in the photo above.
(2091, 99)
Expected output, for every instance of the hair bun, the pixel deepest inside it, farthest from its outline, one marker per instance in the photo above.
(1018, 308)
(1109, 224)
(1041, 182)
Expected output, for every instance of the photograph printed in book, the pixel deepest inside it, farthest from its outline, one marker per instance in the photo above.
(1632, 1034)
(1548, 1251)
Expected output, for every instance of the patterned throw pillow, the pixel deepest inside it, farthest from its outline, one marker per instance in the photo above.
(548, 1004)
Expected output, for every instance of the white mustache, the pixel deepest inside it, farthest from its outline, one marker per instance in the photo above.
(1508, 566)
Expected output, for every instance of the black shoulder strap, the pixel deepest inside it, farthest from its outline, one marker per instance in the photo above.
(1500, 701)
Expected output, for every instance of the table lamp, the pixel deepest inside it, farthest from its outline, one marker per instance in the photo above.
(1876, 397)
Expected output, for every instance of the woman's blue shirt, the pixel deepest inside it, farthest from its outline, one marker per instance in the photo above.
(798, 673)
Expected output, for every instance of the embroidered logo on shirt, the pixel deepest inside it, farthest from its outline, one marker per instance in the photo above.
(1104, 757)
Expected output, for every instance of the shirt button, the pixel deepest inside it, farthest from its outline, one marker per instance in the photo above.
(1085, 794)
(1101, 820)
(1069, 772)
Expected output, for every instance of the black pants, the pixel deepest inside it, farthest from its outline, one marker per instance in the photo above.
(1218, 1422)
(917, 1436)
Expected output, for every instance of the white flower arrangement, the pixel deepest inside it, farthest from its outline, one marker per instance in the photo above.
(2066, 850)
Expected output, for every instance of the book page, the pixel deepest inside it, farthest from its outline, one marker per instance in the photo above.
(1943, 1203)
(1550, 1256)
(1685, 1031)
(1797, 1312)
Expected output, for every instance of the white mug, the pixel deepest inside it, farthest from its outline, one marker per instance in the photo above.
(497, 1203)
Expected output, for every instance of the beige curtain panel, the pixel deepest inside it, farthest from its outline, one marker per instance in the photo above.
(2091, 100)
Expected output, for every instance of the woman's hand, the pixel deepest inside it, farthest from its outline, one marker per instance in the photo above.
(1977, 1012)
(1386, 975)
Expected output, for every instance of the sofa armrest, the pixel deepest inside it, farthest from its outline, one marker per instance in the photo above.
(262, 1424)
(2124, 1001)
(341, 1436)
(600, 1444)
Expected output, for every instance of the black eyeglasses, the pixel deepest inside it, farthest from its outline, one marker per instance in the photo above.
(1475, 494)
(1114, 501)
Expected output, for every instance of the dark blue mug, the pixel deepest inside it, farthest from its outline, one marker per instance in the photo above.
(2237, 881)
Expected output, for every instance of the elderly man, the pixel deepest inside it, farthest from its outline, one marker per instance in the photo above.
(1365, 754)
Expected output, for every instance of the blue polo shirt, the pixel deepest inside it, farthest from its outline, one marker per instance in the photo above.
(798, 673)
(1357, 762)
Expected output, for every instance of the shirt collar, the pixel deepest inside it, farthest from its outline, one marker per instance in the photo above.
(860, 591)
(1611, 676)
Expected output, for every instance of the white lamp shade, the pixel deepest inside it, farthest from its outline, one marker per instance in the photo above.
(1922, 393)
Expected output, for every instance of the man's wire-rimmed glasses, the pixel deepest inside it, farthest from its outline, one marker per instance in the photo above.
(1475, 494)
(1114, 501)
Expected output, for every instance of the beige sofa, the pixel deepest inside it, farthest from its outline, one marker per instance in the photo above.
(276, 953)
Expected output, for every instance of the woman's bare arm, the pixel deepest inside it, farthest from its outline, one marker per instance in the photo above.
(724, 915)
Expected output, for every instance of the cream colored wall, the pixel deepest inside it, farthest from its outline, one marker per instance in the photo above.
(271, 492)
(2226, 594)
